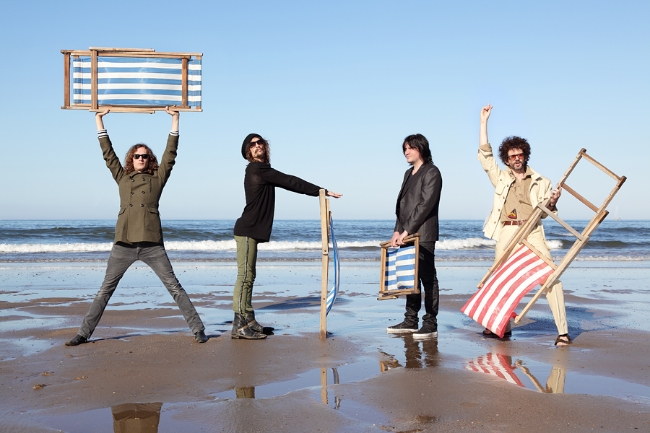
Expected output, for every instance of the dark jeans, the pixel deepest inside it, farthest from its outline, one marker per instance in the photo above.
(122, 256)
(429, 285)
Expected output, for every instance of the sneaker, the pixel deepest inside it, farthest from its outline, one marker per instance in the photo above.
(402, 328)
(426, 331)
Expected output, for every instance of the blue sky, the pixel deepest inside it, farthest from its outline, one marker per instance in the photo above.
(335, 86)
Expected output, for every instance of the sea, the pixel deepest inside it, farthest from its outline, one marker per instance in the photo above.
(300, 240)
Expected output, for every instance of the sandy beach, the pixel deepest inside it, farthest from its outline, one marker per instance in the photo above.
(142, 371)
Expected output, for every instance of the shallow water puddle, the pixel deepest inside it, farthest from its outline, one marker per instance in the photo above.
(555, 379)
(319, 378)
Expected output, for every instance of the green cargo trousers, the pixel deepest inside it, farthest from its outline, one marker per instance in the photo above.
(246, 260)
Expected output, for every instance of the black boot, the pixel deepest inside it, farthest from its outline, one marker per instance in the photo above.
(240, 329)
(255, 325)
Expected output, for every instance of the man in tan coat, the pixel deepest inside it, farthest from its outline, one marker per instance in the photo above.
(517, 191)
(138, 232)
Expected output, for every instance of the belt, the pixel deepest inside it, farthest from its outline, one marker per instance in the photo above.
(514, 223)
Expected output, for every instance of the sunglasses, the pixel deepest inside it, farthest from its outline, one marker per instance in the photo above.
(517, 156)
(144, 156)
(255, 143)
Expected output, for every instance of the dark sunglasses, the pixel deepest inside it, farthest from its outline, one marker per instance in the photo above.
(144, 156)
(260, 142)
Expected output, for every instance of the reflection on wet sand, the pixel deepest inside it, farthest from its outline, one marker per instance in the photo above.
(136, 417)
(245, 392)
(502, 366)
(323, 390)
(416, 356)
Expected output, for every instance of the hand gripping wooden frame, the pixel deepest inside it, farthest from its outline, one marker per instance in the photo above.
(542, 210)
(393, 294)
(135, 80)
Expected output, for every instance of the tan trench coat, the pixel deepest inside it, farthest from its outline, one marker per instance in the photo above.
(540, 190)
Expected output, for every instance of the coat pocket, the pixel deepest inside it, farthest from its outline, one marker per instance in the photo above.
(152, 220)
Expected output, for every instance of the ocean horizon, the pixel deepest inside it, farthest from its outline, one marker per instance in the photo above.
(300, 240)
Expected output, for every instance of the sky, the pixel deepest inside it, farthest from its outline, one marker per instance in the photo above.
(335, 86)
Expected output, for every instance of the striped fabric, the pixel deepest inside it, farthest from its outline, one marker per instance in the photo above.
(496, 365)
(400, 268)
(331, 296)
(494, 303)
(136, 81)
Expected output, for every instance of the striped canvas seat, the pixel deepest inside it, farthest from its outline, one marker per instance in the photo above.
(493, 304)
(331, 295)
(136, 81)
(400, 268)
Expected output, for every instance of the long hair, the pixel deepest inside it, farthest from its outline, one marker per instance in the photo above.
(128, 159)
(246, 148)
(514, 142)
(419, 142)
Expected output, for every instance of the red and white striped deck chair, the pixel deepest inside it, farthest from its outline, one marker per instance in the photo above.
(496, 365)
(494, 303)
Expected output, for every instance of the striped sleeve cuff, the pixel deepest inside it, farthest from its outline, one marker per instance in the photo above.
(102, 133)
(174, 133)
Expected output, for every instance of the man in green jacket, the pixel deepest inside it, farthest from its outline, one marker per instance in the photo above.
(138, 233)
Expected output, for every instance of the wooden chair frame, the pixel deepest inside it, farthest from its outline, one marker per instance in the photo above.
(393, 294)
(95, 52)
(542, 210)
(325, 216)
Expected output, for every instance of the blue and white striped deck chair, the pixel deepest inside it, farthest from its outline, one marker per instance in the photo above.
(133, 82)
(331, 296)
(399, 271)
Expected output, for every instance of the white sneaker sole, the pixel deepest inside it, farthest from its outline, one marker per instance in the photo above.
(400, 331)
(417, 336)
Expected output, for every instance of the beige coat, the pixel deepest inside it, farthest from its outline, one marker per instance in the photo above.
(138, 219)
(540, 189)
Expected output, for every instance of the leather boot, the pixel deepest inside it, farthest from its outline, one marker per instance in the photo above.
(255, 325)
(240, 329)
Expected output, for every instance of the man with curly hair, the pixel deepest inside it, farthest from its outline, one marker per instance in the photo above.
(138, 232)
(517, 191)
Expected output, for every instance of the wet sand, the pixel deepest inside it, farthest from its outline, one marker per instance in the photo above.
(143, 372)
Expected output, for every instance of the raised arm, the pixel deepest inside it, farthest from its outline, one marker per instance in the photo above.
(112, 161)
(169, 156)
(98, 118)
(176, 115)
(483, 134)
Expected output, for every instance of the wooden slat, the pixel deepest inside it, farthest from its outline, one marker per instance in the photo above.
(93, 79)
(539, 254)
(324, 264)
(408, 239)
(148, 50)
(66, 80)
(584, 201)
(130, 109)
(602, 167)
(124, 109)
(560, 221)
(184, 84)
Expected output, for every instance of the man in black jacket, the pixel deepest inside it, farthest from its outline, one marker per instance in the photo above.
(417, 212)
(255, 225)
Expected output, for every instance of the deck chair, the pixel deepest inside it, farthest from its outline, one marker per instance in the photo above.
(131, 80)
(399, 269)
(498, 295)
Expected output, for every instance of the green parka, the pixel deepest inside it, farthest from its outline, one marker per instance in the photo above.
(139, 219)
